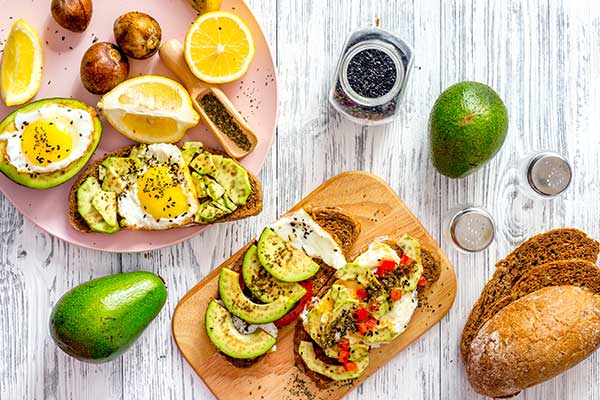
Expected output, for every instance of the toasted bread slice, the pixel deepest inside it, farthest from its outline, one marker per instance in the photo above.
(342, 226)
(431, 270)
(253, 206)
(554, 245)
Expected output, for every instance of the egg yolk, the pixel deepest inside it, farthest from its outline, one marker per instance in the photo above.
(43, 143)
(160, 195)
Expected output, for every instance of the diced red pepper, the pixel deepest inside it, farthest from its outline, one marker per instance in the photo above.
(343, 344)
(362, 328)
(350, 366)
(343, 356)
(371, 323)
(396, 294)
(405, 260)
(385, 267)
(293, 315)
(422, 281)
(361, 293)
(361, 314)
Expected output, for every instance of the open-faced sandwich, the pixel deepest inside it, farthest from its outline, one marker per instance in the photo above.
(162, 186)
(369, 303)
(269, 286)
(47, 142)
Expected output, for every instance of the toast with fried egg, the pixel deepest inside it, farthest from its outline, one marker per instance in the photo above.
(155, 204)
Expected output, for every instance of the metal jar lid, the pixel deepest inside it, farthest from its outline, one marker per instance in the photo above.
(472, 229)
(549, 174)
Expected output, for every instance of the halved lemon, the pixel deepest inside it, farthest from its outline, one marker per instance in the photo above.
(21, 68)
(219, 47)
(149, 109)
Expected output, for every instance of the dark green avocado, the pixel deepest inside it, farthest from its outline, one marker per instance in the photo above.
(98, 320)
(46, 181)
(467, 127)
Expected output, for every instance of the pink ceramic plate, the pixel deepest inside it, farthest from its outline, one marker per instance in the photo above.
(255, 96)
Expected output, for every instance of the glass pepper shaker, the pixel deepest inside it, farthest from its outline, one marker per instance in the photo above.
(371, 76)
(546, 174)
(469, 228)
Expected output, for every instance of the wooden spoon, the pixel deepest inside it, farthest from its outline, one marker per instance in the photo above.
(171, 53)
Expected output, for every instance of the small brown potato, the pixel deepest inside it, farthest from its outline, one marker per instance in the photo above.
(74, 15)
(138, 34)
(103, 66)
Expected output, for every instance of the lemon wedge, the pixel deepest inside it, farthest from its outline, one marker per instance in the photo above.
(21, 68)
(219, 47)
(149, 109)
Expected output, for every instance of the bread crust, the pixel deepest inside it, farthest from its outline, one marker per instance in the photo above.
(253, 206)
(534, 339)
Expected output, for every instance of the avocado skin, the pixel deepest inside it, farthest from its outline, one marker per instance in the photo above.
(58, 177)
(98, 320)
(467, 127)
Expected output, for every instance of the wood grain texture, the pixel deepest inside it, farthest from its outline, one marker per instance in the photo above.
(381, 213)
(542, 56)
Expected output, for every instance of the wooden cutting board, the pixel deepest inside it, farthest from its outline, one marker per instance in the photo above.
(381, 212)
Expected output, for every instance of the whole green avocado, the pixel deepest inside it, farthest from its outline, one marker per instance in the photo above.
(467, 127)
(98, 320)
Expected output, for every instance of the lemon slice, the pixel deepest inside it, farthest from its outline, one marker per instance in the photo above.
(219, 47)
(149, 109)
(21, 69)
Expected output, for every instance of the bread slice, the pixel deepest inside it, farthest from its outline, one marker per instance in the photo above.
(431, 270)
(554, 245)
(534, 339)
(253, 206)
(342, 226)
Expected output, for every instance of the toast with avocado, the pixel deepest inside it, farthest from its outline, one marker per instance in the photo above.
(268, 287)
(162, 186)
(367, 303)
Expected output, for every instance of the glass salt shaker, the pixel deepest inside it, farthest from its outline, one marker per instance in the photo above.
(371, 76)
(469, 228)
(546, 174)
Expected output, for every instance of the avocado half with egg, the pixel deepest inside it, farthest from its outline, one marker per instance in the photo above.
(47, 142)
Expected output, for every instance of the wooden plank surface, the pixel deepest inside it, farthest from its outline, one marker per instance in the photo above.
(381, 214)
(543, 57)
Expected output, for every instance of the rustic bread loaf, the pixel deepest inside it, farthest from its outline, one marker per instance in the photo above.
(253, 206)
(534, 339)
(554, 245)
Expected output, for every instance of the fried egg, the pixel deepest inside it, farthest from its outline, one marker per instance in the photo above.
(162, 194)
(49, 138)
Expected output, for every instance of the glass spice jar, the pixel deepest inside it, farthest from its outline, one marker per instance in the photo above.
(371, 76)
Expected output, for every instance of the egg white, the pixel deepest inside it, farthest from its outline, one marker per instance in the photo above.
(377, 252)
(78, 123)
(129, 206)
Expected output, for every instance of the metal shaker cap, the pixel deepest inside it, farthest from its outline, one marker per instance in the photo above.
(472, 229)
(549, 174)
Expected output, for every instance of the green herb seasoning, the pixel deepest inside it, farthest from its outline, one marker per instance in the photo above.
(218, 114)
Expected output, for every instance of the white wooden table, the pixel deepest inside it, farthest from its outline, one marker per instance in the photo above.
(543, 57)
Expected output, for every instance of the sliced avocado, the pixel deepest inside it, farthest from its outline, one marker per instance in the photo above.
(282, 260)
(101, 172)
(335, 372)
(332, 316)
(227, 202)
(85, 195)
(203, 163)
(122, 165)
(352, 273)
(50, 180)
(192, 145)
(199, 185)
(234, 178)
(238, 304)
(382, 334)
(412, 248)
(224, 335)
(263, 285)
(106, 205)
(188, 155)
(214, 190)
(208, 212)
(112, 182)
(224, 205)
(216, 159)
(138, 151)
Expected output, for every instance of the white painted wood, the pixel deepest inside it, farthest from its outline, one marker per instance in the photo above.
(543, 57)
